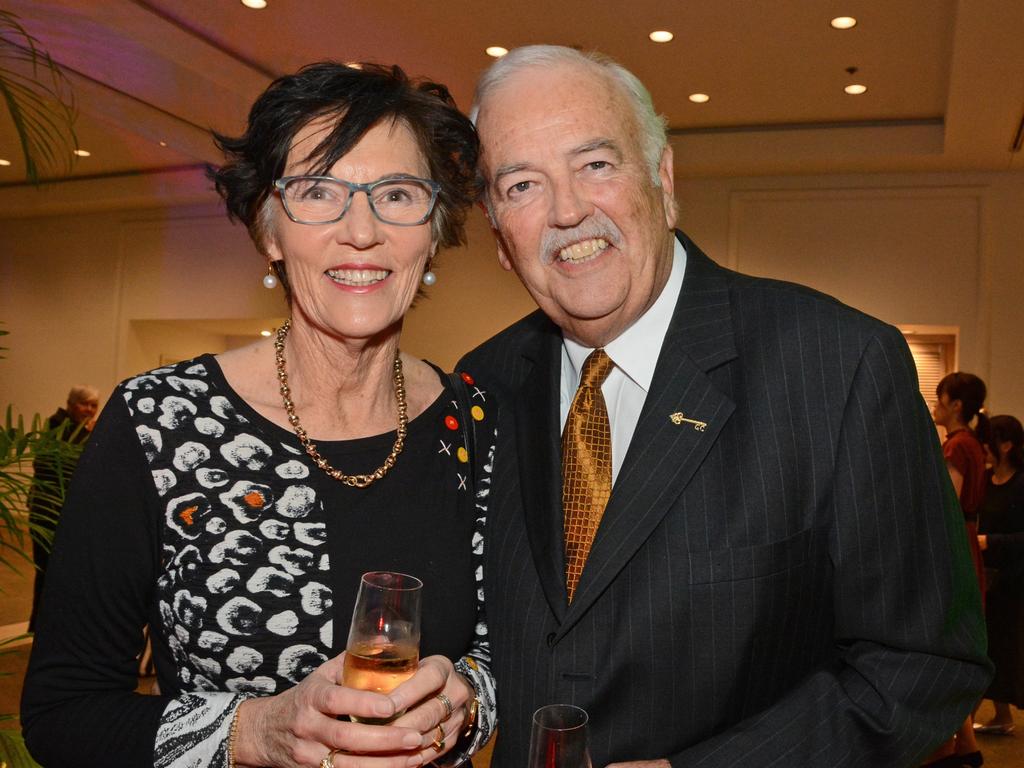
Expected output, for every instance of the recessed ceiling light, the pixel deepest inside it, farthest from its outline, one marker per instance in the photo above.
(163, 143)
(496, 51)
(81, 152)
(4, 162)
(255, 4)
(354, 64)
(843, 22)
(661, 36)
(855, 89)
(265, 333)
(699, 98)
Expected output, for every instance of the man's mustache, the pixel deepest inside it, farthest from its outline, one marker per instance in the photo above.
(596, 225)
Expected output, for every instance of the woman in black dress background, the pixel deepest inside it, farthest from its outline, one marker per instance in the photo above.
(1001, 538)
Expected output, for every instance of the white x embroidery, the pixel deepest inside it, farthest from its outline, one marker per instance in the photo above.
(454, 403)
(462, 481)
(446, 448)
(478, 391)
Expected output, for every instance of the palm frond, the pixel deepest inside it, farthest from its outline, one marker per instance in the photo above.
(38, 99)
(13, 753)
(20, 446)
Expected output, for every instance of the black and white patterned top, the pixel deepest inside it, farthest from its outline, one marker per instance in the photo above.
(258, 553)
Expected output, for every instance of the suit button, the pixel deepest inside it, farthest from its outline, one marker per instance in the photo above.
(551, 639)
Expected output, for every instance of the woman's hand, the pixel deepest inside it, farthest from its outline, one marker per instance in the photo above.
(426, 709)
(299, 727)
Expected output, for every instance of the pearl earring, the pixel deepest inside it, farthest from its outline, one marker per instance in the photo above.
(429, 278)
(269, 279)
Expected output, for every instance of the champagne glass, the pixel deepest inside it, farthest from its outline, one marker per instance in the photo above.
(558, 738)
(383, 646)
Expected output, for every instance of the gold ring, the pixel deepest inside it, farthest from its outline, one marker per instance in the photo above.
(328, 761)
(439, 741)
(472, 710)
(448, 708)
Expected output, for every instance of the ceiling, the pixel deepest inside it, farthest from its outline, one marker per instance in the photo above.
(945, 79)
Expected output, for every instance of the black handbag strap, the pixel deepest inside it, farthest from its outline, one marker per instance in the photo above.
(467, 423)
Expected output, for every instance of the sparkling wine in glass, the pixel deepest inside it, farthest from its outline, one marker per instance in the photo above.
(558, 738)
(383, 647)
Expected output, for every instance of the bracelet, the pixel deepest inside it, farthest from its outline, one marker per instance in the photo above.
(232, 732)
(471, 713)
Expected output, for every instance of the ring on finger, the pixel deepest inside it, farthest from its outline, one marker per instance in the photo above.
(448, 708)
(328, 761)
(439, 741)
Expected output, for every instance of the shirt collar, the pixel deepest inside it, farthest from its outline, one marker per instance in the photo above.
(635, 351)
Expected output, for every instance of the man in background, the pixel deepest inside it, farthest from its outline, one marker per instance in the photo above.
(730, 536)
(52, 473)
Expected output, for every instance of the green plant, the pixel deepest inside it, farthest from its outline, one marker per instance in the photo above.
(38, 98)
(20, 447)
(12, 751)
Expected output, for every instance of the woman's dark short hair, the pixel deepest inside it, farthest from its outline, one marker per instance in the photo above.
(970, 390)
(1007, 429)
(357, 98)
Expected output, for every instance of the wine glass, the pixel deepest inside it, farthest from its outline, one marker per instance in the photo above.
(558, 738)
(383, 646)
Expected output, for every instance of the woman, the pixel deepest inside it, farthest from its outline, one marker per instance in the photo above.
(232, 502)
(960, 400)
(961, 397)
(1001, 538)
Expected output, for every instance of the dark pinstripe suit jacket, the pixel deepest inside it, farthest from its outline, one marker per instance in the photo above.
(789, 587)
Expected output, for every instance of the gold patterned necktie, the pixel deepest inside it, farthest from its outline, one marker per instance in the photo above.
(586, 466)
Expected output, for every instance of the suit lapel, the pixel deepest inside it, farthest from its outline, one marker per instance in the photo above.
(663, 455)
(540, 461)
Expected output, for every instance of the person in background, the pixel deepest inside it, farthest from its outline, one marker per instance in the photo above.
(961, 397)
(233, 502)
(712, 542)
(1001, 539)
(51, 479)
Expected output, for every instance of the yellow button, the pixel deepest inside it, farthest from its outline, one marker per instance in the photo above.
(478, 412)
(463, 454)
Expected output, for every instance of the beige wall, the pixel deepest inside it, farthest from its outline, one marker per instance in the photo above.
(936, 249)
(96, 297)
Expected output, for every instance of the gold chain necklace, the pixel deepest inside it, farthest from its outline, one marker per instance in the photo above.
(355, 481)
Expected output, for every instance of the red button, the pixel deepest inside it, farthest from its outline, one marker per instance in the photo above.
(451, 422)
(467, 378)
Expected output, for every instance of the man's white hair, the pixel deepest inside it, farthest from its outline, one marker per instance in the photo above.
(653, 138)
(82, 393)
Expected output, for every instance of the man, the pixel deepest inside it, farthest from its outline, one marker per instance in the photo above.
(779, 577)
(52, 473)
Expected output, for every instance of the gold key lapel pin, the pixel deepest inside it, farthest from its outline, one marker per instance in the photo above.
(679, 418)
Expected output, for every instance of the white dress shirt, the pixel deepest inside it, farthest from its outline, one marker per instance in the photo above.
(635, 353)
